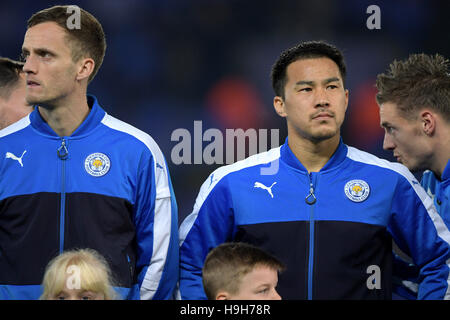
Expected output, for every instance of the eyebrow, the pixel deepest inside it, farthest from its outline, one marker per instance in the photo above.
(385, 124)
(311, 83)
(39, 50)
(263, 285)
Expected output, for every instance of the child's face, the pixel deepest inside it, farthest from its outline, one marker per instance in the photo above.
(78, 294)
(258, 284)
(73, 288)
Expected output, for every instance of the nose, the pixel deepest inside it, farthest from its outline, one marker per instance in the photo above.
(322, 98)
(388, 144)
(30, 65)
(275, 295)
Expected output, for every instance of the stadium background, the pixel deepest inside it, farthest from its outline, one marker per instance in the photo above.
(171, 62)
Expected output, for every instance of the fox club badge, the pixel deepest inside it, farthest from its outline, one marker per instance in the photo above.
(97, 164)
(357, 190)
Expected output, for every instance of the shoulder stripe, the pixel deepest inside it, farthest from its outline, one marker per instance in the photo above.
(162, 210)
(16, 126)
(216, 176)
(162, 182)
(364, 157)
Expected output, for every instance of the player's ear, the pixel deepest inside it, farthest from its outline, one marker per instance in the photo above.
(346, 99)
(279, 105)
(222, 295)
(428, 122)
(85, 68)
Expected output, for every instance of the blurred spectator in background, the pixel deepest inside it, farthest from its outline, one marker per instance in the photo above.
(13, 105)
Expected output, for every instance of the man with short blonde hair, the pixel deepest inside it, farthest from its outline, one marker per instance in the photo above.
(76, 177)
(414, 99)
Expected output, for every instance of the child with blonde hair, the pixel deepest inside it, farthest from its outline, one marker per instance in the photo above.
(81, 274)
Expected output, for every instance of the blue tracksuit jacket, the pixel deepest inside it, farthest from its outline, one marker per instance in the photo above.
(105, 187)
(439, 191)
(333, 229)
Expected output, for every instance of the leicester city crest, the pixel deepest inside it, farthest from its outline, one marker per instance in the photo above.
(97, 164)
(357, 190)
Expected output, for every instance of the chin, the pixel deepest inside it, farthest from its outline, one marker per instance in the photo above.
(413, 168)
(45, 103)
(32, 100)
(325, 135)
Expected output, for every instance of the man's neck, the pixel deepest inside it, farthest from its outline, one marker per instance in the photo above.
(313, 155)
(65, 116)
(442, 152)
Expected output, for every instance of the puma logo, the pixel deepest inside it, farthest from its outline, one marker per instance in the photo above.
(268, 189)
(212, 180)
(10, 155)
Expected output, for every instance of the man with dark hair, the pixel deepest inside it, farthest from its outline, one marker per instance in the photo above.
(414, 100)
(73, 176)
(329, 212)
(13, 105)
(304, 51)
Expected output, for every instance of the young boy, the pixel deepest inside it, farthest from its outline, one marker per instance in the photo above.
(240, 271)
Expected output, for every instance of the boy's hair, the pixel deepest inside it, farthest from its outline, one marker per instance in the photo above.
(9, 76)
(304, 50)
(95, 274)
(226, 264)
(87, 41)
(420, 81)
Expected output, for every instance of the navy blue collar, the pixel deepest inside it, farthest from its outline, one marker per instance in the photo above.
(446, 174)
(337, 158)
(94, 117)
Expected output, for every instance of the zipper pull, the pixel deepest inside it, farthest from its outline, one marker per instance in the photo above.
(63, 153)
(310, 198)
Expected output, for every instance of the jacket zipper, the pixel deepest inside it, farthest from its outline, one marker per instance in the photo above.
(311, 200)
(131, 269)
(63, 154)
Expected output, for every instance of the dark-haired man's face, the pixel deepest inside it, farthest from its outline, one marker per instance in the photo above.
(51, 72)
(315, 99)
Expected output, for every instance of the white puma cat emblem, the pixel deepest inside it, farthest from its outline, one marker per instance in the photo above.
(268, 189)
(10, 155)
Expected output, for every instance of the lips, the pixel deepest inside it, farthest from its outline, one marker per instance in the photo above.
(32, 83)
(323, 115)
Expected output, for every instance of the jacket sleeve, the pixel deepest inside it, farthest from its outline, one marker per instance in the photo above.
(420, 232)
(210, 224)
(156, 222)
